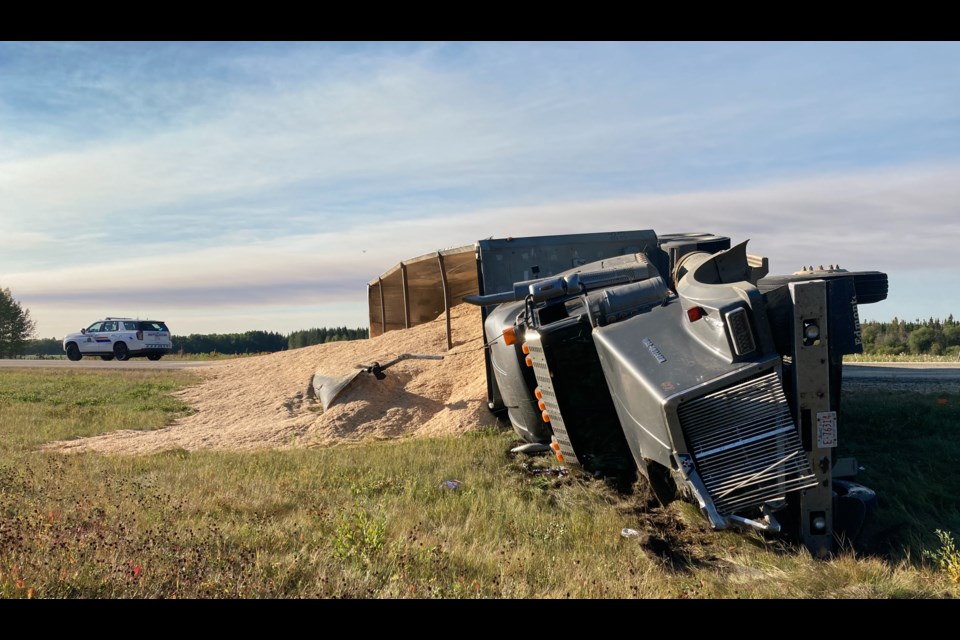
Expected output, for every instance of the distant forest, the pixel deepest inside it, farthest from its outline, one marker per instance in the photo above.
(228, 343)
(918, 337)
(930, 337)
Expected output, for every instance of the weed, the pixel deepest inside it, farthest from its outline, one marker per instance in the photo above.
(947, 557)
(359, 536)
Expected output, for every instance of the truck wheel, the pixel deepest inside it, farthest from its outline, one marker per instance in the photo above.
(871, 286)
(73, 352)
(154, 356)
(121, 351)
(108, 357)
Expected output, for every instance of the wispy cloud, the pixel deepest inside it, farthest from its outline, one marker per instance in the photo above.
(244, 174)
(898, 222)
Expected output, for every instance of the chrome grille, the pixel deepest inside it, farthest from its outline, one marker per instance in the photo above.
(745, 444)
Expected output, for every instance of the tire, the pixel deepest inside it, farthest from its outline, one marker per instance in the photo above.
(871, 286)
(121, 351)
(109, 357)
(154, 356)
(73, 352)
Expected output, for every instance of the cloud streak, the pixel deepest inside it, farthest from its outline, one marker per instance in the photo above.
(894, 221)
(231, 175)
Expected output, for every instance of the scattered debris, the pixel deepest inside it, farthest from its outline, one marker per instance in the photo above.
(531, 448)
(627, 532)
(451, 484)
(544, 471)
(377, 369)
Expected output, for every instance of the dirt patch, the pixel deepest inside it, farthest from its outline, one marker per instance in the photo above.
(667, 538)
(267, 402)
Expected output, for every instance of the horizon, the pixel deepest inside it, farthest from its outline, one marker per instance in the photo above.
(288, 333)
(255, 186)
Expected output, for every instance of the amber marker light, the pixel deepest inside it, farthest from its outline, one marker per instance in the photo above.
(556, 448)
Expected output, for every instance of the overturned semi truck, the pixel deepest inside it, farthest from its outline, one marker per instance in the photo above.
(680, 357)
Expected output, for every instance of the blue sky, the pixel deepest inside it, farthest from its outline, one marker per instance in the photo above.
(233, 186)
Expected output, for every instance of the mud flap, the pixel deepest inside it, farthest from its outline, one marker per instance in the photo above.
(852, 504)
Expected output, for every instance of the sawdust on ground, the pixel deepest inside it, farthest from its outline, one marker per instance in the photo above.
(268, 401)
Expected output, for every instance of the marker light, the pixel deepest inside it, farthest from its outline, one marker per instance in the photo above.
(509, 336)
(556, 447)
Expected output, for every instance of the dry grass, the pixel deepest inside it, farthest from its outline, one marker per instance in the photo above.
(375, 520)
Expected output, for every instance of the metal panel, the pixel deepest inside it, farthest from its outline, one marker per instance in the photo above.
(812, 378)
(508, 260)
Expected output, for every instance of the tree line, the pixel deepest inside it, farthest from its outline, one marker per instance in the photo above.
(930, 337)
(308, 337)
(262, 341)
(227, 343)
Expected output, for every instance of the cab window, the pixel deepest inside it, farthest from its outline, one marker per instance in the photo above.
(109, 326)
(95, 327)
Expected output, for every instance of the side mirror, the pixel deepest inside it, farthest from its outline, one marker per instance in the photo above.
(84, 330)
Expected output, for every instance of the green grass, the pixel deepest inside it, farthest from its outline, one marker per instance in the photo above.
(377, 521)
(213, 355)
(910, 447)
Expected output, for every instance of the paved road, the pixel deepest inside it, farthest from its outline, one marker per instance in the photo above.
(97, 363)
(902, 371)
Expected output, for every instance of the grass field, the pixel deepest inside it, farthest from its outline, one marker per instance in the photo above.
(379, 521)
